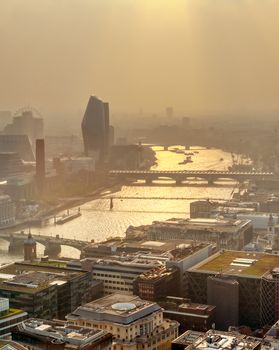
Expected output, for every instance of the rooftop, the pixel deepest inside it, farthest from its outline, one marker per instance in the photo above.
(187, 338)
(11, 312)
(10, 345)
(210, 224)
(116, 308)
(238, 263)
(61, 331)
(174, 249)
(31, 278)
(224, 340)
(156, 273)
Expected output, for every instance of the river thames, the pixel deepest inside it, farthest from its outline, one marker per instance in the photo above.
(148, 203)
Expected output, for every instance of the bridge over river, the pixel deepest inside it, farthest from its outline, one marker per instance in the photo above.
(52, 244)
(184, 175)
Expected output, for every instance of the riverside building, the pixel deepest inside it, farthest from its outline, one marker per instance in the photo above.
(225, 233)
(135, 323)
(7, 210)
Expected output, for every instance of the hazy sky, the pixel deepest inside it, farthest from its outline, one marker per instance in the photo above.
(194, 55)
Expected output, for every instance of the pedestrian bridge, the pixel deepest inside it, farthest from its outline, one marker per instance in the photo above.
(183, 175)
(52, 244)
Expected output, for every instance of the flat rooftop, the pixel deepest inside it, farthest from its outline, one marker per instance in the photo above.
(176, 249)
(238, 263)
(211, 224)
(187, 338)
(156, 273)
(31, 278)
(224, 340)
(75, 335)
(115, 308)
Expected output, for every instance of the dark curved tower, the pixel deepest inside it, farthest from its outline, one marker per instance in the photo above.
(94, 128)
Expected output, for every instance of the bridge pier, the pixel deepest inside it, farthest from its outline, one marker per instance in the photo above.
(210, 181)
(52, 249)
(148, 181)
(166, 148)
(178, 182)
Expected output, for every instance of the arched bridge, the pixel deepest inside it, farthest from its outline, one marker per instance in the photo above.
(52, 244)
(183, 175)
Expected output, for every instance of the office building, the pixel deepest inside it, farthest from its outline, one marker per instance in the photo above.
(135, 323)
(26, 124)
(11, 345)
(111, 135)
(12, 166)
(227, 308)
(44, 290)
(95, 128)
(157, 283)
(118, 263)
(40, 165)
(225, 233)
(198, 317)
(107, 130)
(272, 336)
(118, 274)
(7, 211)
(5, 118)
(254, 294)
(221, 340)
(19, 144)
(185, 339)
(50, 335)
(9, 318)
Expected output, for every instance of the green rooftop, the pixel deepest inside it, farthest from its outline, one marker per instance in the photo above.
(11, 312)
(239, 263)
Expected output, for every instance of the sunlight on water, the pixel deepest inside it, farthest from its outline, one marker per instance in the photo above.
(140, 204)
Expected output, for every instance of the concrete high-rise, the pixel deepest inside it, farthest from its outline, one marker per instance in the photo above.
(40, 164)
(26, 124)
(95, 128)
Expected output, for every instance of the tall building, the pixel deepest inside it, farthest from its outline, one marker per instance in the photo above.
(111, 135)
(40, 164)
(253, 290)
(7, 210)
(11, 165)
(227, 308)
(95, 128)
(26, 124)
(5, 117)
(107, 130)
(17, 144)
(45, 290)
(136, 324)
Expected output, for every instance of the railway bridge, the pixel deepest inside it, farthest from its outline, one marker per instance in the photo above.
(183, 175)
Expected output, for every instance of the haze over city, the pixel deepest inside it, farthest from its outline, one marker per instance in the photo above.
(139, 175)
(199, 56)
